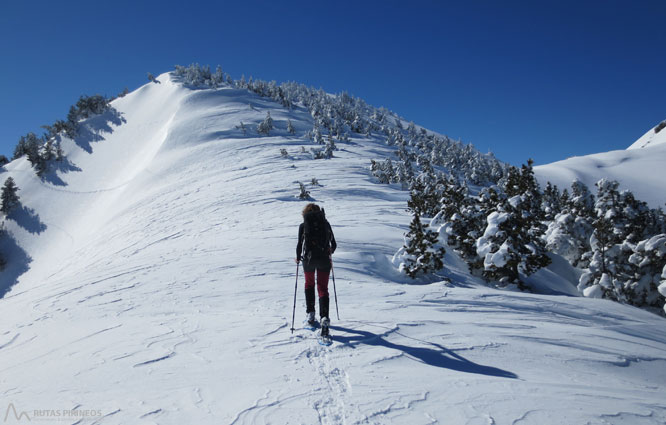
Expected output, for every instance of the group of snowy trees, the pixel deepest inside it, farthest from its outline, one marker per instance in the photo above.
(418, 150)
(41, 151)
(336, 117)
(505, 232)
(200, 76)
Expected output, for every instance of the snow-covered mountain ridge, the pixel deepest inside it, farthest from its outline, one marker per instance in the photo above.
(640, 168)
(161, 280)
(652, 137)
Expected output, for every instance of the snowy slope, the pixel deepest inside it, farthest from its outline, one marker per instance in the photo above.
(643, 171)
(651, 138)
(161, 283)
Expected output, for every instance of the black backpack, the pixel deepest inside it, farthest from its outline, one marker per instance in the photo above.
(316, 235)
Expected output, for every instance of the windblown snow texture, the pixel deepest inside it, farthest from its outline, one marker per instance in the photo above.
(160, 279)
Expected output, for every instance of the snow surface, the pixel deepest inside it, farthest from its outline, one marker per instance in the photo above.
(649, 139)
(643, 171)
(160, 281)
(640, 168)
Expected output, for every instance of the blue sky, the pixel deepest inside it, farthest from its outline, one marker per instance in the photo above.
(540, 79)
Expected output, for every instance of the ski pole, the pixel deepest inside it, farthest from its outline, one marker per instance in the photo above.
(293, 316)
(335, 293)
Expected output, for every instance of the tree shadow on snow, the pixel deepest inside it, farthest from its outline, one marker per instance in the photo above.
(27, 219)
(65, 166)
(17, 262)
(92, 129)
(437, 356)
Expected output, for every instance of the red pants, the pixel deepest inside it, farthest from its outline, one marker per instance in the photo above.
(322, 282)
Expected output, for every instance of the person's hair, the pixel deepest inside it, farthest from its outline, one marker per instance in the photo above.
(309, 208)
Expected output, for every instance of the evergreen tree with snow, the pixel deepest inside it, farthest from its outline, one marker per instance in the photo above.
(420, 254)
(290, 128)
(330, 147)
(424, 199)
(599, 282)
(459, 221)
(648, 263)
(29, 146)
(316, 134)
(551, 199)
(304, 193)
(9, 196)
(384, 171)
(607, 256)
(266, 125)
(217, 79)
(569, 232)
(511, 244)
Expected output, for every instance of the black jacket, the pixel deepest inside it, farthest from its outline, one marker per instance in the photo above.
(299, 246)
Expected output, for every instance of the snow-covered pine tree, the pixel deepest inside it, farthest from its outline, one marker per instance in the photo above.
(511, 243)
(421, 258)
(304, 193)
(28, 145)
(569, 232)
(598, 281)
(9, 196)
(626, 256)
(217, 79)
(290, 127)
(384, 171)
(568, 236)
(421, 254)
(609, 258)
(581, 206)
(330, 147)
(551, 199)
(357, 124)
(411, 130)
(564, 198)
(459, 221)
(424, 199)
(266, 125)
(648, 261)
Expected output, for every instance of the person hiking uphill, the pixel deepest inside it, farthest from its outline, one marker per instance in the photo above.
(316, 244)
